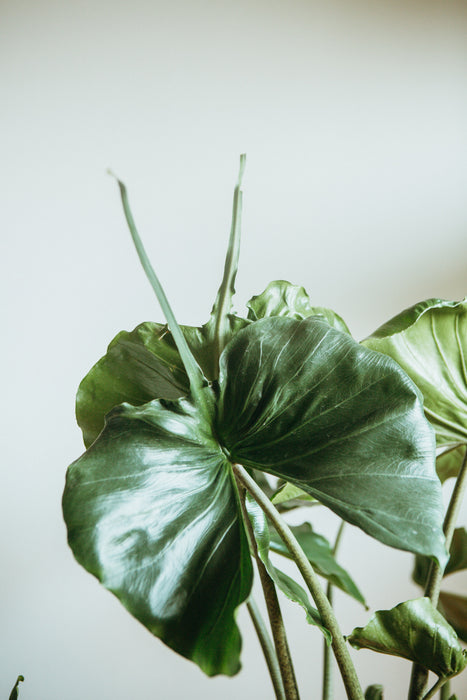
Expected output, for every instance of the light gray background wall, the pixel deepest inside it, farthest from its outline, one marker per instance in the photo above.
(353, 115)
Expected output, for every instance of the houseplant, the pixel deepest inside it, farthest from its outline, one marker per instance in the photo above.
(200, 439)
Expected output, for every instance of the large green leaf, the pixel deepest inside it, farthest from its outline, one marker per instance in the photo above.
(457, 558)
(290, 588)
(429, 341)
(151, 510)
(304, 402)
(280, 298)
(142, 365)
(454, 609)
(319, 553)
(414, 630)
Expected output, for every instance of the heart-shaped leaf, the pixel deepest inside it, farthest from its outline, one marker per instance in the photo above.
(429, 341)
(280, 298)
(414, 630)
(454, 609)
(320, 555)
(306, 403)
(151, 510)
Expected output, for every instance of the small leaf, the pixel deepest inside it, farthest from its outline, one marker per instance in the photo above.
(290, 588)
(416, 631)
(457, 558)
(374, 692)
(304, 402)
(151, 510)
(15, 690)
(280, 298)
(429, 341)
(319, 553)
(454, 609)
(289, 492)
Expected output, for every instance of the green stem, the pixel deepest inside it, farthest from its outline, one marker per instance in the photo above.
(268, 648)
(341, 652)
(327, 659)
(445, 693)
(419, 675)
(437, 686)
(274, 611)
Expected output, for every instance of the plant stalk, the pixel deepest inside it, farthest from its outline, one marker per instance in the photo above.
(341, 652)
(419, 675)
(267, 647)
(287, 673)
(327, 659)
(445, 692)
(437, 686)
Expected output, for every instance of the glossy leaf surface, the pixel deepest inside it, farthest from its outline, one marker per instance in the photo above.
(304, 402)
(151, 510)
(454, 608)
(140, 366)
(429, 341)
(280, 298)
(290, 588)
(416, 631)
(319, 554)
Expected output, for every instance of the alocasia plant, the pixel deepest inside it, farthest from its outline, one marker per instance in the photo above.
(170, 504)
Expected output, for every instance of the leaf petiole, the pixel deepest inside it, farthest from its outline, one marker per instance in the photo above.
(341, 652)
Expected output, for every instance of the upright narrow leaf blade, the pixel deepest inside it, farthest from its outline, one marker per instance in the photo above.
(223, 304)
(15, 689)
(303, 401)
(416, 631)
(196, 377)
(152, 512)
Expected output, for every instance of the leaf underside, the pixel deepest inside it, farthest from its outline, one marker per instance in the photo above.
(416, 631)
(319, 553)
(429, 341)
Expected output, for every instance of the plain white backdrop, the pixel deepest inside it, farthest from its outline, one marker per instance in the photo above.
(353, 115)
